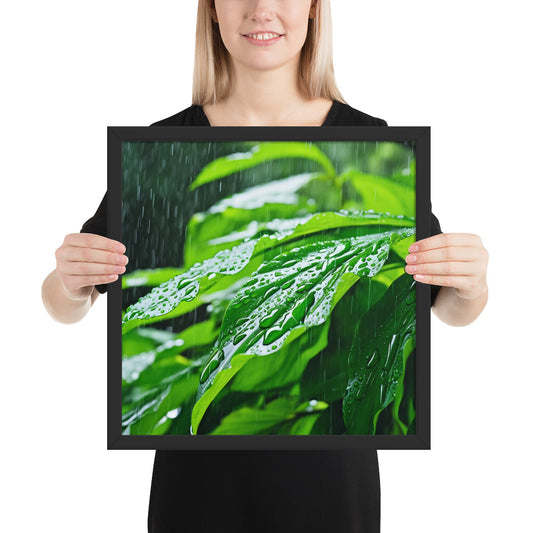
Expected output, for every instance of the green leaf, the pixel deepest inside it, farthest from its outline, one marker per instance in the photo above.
(203, 239)
(325, 378)
(143, 340)
(406, 392)
(263, 152)
(149, 277)
(161, 379)
(397, 416)
(263, 208)
(284, 191)
(304, 425)
(257, 421)
(163, 302)
(382, 194)
(266, 373)
(293, 292)
(376, 358)
(401, 248)
(154, 367)
(142, 417)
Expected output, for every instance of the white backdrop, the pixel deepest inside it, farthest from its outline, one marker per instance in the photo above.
(70, 69)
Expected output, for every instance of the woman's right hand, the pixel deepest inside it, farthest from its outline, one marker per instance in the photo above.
(85, 260)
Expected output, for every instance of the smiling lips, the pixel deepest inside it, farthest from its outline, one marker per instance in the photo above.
(263, 38)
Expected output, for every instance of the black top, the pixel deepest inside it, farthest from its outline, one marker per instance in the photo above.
(339, 115)
(260, 490)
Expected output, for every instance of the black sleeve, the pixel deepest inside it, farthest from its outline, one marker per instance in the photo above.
(435, 230)
(98, 224)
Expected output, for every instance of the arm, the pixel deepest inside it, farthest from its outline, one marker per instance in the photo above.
(458, 262)
(457, 311)
(83, 261)
(60, 306)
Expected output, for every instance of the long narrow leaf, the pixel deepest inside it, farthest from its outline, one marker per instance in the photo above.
(164, 301)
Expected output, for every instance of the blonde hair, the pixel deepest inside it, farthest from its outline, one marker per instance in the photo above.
(212, 67)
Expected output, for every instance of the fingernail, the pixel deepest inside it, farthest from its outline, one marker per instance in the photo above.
(120, 248)
(419, 276)
(413, 248)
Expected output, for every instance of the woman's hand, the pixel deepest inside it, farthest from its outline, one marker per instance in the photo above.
(457, 262)
(85, 260)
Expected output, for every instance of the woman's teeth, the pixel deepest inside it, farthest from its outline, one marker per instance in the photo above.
(262, 36)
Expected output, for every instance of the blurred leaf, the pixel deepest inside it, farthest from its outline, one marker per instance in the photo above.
(143, 340)
(264, 208)
(382, 194)
(256, 421)
(153, 368)
(142, 416)
(149, 373)
(304, 425)
(263, 152)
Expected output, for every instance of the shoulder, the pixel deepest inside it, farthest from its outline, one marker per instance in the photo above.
(191, 116)
(349, 116)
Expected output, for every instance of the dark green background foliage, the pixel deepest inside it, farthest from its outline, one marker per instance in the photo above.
(265, 292)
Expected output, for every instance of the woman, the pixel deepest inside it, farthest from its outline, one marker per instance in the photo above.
(266, 63)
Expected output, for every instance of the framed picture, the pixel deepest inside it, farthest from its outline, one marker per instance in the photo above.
(265, 304)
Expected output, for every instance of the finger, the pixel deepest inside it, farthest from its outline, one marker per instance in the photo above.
(459, 282)
(439, 255)
(469, 286)
(443, 240)
(72, 268)
(448, 268)
(91, 240)
(91, 255)
(74, 283)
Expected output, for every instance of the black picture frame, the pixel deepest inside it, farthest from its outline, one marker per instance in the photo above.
(116, 136)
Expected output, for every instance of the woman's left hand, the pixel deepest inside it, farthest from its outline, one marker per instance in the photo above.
(457, 260)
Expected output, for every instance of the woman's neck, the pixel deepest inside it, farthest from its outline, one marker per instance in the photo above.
(268, 98)
(266, 93)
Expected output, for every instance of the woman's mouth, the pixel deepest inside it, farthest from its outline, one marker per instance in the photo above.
(264, 38)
